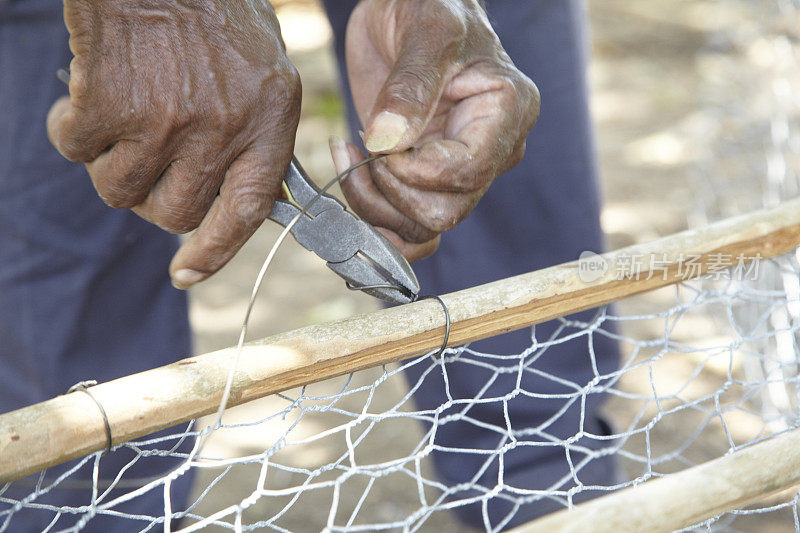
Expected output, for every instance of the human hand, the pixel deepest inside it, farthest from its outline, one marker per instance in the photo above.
(434, 87)
(185, 112)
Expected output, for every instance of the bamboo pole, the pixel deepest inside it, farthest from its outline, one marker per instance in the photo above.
(70, 426)
(686, 498)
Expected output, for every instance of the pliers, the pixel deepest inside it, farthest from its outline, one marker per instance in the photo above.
(352, 248)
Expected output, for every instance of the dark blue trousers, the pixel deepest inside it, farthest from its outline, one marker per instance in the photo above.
(84, 289)
(543, 212)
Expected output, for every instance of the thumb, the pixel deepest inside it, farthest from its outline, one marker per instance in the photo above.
(410, 95)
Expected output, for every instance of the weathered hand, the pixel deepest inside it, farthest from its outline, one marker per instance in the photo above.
(432, 76)
(185, 112)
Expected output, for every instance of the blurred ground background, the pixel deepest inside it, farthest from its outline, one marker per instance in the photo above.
(685, 97)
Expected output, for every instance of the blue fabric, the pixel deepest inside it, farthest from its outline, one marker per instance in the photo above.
(543, 212)
(84, 289)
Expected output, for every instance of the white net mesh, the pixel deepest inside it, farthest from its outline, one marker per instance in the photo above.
(706, 368)
(713, 369)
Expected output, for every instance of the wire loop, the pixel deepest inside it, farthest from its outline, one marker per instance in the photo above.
(447, 322)
(83, 386)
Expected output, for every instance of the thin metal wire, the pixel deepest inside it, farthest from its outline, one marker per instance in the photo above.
(361, 288)
(83, 386)
(447, 322)
(263, 271)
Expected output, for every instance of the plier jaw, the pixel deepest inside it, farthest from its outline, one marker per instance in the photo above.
(364, 258)
(366, 272)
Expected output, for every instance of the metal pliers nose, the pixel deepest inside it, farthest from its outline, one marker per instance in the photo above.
(352, 248)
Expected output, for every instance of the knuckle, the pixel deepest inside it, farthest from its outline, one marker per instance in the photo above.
(414, 232)
(411, 87)
(123, 190)
(448, 20)
(443, 217)
(119, 197)
(503, 149)
(440, 224)
(519, 153)
(72, 150)
(278, 105)
(179, 218)
(291, 79)
(249, 206)
(167, 119)
(78, 79)
(71, 142)
(469, 180)
(528, 98)
(180, 208)
(117, 202)
(285, 87)
(511, 92)
(439, 174)
(534, 102)
(509, 85)
(417, 171)
(520, 93)
(436, 173)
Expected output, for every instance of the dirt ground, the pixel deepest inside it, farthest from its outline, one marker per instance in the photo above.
(683, 95)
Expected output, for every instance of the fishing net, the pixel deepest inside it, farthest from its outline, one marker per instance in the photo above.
(712, 369)
(707, 368)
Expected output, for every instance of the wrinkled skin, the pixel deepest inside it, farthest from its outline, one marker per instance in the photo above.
(184, 111)
(434, 87)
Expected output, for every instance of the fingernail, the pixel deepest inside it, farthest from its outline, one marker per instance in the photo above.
(341, 159)
(183, 279)
(386, 132)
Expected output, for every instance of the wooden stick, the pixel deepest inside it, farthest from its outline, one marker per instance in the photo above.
(70, 426)
(686, 498)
